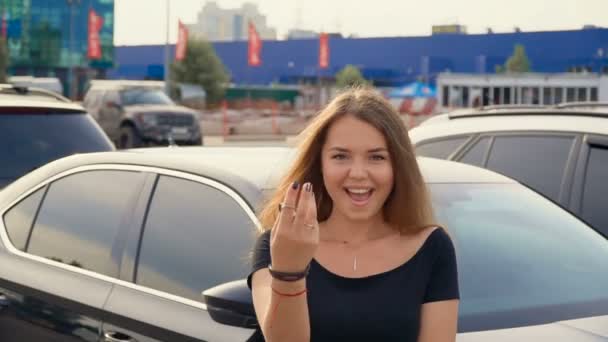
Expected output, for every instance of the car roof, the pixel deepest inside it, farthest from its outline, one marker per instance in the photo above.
(120, 84)
(39, 103)
(591, 120)
(248, 170)
(263, 166)
(16, 91)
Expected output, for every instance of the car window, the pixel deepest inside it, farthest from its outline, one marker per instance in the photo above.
(441, 149)
(145, 96)
(28, 141)
(92, 99)
(19, 219)
(520, 257)
(594, 208)
(195, 237)
(476, 154)
(537, 161)
(81, 216)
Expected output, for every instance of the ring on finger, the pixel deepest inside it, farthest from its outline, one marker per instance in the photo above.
(309, 225)
(286, 206)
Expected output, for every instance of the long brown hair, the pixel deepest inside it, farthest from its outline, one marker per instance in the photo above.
(408, 207)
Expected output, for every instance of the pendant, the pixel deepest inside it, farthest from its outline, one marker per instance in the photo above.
(355, 264)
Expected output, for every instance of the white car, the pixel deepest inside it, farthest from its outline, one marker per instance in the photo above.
(122, 244)
(562, 152)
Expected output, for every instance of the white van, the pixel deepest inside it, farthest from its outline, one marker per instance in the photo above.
(49, 83)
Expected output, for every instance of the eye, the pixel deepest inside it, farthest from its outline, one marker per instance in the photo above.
(377, 157)
(339, 156)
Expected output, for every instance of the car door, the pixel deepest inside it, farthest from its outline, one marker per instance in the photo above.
(110, 113)
(591, 186)
(544, 161)
(195, 234)
(62, 250)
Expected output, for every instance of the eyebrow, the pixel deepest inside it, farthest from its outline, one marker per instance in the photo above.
(373, 150)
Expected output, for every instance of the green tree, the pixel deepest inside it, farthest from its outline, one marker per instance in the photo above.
(519, 61)
(201, 66)
(350, 76)
(500, 69)
(3, 60)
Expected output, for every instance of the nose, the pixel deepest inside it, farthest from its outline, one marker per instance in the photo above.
(358, 169)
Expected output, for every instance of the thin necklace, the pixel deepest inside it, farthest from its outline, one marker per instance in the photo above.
(346, 243)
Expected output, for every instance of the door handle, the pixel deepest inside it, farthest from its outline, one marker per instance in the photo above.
(117, 337)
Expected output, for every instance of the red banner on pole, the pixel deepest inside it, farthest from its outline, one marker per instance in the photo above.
(94, 44)
(323, 51)
(255, 47)
(4, 24)
(182, 42)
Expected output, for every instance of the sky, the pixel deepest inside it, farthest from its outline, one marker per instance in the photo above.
(139, 22)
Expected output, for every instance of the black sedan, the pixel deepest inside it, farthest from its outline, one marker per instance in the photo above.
(153, 244)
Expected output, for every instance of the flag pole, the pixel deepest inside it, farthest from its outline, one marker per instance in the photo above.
(166, 66)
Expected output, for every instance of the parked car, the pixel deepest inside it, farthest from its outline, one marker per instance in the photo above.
(35, 130)
(136, 114)
(560, 152)
(153, 244)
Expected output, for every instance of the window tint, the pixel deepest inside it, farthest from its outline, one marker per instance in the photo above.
(536, 161)
(441, 149)
(595, 190)
(81, 216)
(521, 258)
(19, 219)
(476, 154)
(149, 96)
(28, 141)
(195, 237)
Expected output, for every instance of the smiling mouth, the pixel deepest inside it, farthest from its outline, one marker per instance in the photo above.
(359, 196)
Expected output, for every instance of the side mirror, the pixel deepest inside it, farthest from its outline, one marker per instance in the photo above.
(231, 304)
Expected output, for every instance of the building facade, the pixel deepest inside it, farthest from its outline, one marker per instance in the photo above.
(218, 24)
(471, 90)
(47, 38)
(391, 62)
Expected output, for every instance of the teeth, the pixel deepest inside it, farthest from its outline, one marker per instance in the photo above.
(358, 191)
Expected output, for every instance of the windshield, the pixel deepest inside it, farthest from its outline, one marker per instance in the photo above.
(29, 141)
(144, 96)
(522, 260)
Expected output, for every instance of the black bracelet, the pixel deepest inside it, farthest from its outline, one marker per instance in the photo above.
(288, 276)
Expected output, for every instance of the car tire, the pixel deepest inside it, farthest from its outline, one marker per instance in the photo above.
(129, 138)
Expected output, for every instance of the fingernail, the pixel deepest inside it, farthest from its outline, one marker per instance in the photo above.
(307, 187)
(295, 185)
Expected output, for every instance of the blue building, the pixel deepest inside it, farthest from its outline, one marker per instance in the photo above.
(47, 37)
(389, 61)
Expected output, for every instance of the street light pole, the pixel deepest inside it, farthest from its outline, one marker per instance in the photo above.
(71, 3)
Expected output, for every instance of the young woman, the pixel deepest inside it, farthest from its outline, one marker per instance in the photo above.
(351, 251)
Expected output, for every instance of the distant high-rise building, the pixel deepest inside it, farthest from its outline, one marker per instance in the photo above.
(217, 24)
(301, 34)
